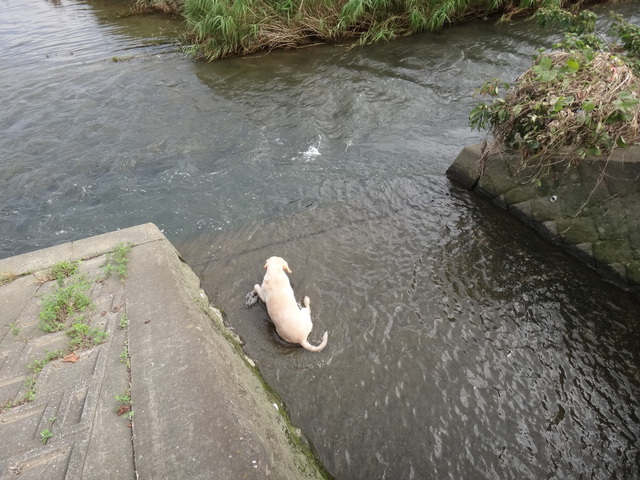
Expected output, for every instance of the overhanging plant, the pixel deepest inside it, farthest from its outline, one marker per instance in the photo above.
(579, 100)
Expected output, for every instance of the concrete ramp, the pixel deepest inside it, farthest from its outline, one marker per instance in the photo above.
(158, 389)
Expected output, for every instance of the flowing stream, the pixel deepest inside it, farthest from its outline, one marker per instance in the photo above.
(460, 344)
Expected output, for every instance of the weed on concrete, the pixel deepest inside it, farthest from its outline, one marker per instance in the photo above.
(124, 408)
(68, 307)
(59, 271)
(124, 357)
(64, 269)
(45, 435)
(124, 399)
(30, 394)
(84, 336)
(64, 301)
(37, 365)
(7, 277)
(117, 261)
(123, 322)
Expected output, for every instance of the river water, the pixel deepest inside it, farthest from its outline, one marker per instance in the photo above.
(460, 344)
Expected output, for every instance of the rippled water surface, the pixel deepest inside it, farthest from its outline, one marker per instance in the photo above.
(460, 344)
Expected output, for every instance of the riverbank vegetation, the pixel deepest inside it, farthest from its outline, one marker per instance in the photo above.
(580, 100)
(220, 28)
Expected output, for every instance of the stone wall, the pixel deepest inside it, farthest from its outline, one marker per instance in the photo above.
(592, 210)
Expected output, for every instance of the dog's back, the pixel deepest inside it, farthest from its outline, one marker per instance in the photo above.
(292, 323)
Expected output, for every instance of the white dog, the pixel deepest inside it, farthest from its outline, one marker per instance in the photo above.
(292, 323)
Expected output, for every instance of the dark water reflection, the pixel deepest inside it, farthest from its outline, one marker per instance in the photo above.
(460, 344)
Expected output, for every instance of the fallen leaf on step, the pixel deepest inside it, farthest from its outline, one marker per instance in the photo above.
(123, 409)
(72, 357)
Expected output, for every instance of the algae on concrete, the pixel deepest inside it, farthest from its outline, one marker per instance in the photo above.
(592, 209)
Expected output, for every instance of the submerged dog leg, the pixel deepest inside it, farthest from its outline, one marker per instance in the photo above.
(251, 299)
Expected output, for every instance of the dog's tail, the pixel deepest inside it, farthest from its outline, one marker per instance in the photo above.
(313, 348)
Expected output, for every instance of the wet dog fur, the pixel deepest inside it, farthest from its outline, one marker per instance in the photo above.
(292, 323)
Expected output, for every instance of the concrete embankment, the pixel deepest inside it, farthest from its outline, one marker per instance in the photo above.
(592, 210)
(154, 386)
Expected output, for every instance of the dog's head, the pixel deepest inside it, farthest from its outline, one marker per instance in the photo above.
(277, 262)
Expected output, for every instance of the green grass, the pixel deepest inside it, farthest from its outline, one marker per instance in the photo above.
(15, 329)
(84, 336)
(59, 271)
(124, 357)
(64, 301)
(30, 394)
(117, 260)
(220, 28)
(64, 269)
(36, 366)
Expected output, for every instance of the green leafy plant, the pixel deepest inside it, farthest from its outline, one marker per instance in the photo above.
(573, 103)
(123, 322)
(124, 398)
(46, 435)
(629, 35)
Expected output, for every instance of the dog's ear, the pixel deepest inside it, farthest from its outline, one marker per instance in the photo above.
(285, 267)
(265, 265)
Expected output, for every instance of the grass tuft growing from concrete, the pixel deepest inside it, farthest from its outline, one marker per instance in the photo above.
(7, 277)
(117, 260)
(84, 336)
(63, 302)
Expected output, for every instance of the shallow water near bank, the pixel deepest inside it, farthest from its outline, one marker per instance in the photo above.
(460, 344)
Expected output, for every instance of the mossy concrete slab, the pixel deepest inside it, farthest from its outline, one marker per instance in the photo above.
(465, 169)
(547, 208)
(610, 219)
(577, 230)
(590, 206)
(633, 271)
(497, 177)
(613, 251)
